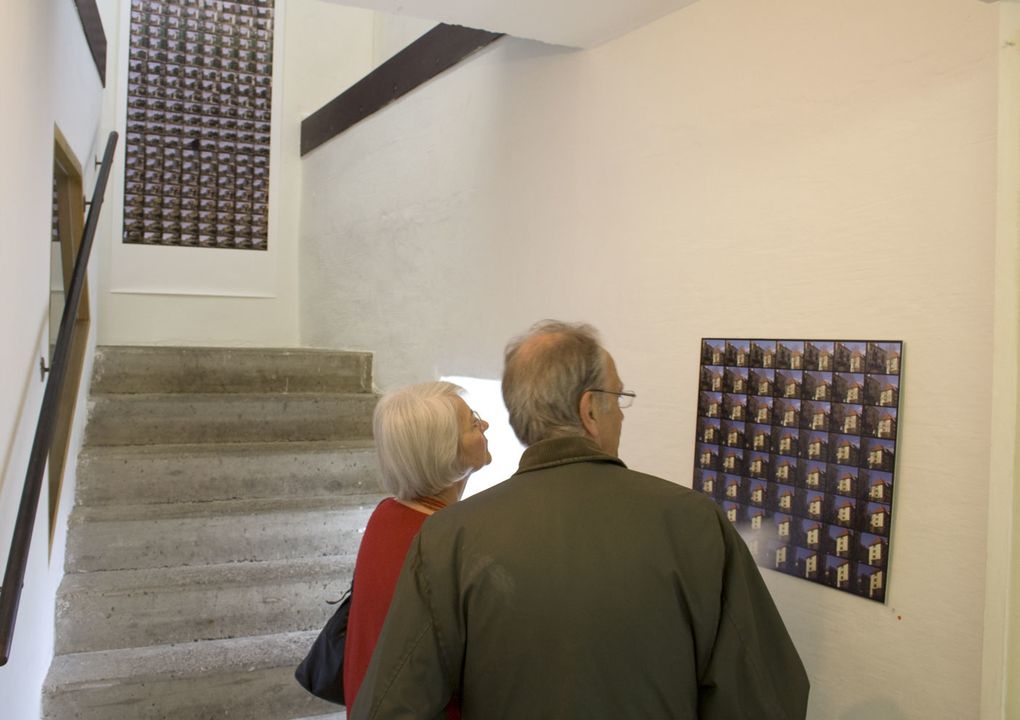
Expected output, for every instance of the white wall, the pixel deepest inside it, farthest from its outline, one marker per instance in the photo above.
(735, 169)
(329, 48)
(392, 33)
(50, 81)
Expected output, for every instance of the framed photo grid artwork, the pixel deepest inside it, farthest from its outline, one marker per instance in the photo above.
(796, 441)
(199, 91)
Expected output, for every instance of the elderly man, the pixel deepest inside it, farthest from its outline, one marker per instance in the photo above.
(579, 588)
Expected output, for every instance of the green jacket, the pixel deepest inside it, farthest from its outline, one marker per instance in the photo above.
(581, 589)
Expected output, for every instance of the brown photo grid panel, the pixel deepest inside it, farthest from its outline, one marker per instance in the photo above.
(196, 163)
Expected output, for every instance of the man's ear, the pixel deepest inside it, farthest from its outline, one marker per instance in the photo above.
(589, 414)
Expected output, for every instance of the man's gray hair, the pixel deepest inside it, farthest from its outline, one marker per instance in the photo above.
(545, 373)
(417, 438)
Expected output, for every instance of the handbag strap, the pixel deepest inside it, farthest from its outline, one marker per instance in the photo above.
(344, 596)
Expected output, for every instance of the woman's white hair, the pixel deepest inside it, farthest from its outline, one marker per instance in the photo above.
(417, 438)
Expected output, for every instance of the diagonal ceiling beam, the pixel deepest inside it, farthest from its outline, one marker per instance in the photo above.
(439, 49)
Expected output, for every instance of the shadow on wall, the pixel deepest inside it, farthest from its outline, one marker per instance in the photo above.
(486, 398)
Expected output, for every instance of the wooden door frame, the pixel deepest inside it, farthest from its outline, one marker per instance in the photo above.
(70, 211)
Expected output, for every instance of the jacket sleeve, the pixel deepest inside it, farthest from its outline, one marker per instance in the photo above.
(409, 674)
(754, 671)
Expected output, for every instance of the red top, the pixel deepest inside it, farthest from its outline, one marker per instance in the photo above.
(387, 537)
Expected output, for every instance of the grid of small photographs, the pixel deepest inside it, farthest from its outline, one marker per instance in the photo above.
(198, 119)
(796, 441)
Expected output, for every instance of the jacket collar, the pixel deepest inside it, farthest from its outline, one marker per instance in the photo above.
(563, 451)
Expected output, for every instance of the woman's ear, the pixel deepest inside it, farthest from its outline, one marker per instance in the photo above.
(589, 414)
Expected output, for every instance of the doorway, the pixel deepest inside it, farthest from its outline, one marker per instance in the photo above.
(65, 238)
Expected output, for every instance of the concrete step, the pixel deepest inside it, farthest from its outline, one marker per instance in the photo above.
(137, 608)
(221, 498)
(249, 677)
(131, 537)
(123, 369)
(210, 418)
(177, 473)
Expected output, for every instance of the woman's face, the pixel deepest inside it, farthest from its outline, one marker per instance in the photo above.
(473, 451)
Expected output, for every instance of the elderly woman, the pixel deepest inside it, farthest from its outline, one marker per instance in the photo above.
(429, 442)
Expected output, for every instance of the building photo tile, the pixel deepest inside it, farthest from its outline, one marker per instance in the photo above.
(796, 442)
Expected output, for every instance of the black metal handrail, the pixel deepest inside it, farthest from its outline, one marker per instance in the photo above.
(17, 560)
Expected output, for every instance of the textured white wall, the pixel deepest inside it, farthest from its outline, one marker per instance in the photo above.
(50, 81)
(735, 169)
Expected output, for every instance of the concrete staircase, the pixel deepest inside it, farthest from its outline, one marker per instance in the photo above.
(220, 501)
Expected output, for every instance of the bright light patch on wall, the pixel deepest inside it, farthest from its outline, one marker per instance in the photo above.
(485, 398)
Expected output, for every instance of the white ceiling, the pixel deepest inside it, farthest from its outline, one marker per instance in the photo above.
(574, 23)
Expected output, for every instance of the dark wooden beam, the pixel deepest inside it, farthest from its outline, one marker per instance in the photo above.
(440, 48)
(92, 24)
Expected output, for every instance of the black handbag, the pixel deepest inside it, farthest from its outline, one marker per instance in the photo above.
(322, 671)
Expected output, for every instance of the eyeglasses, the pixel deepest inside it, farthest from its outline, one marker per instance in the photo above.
(476, 420)
(625, 397)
